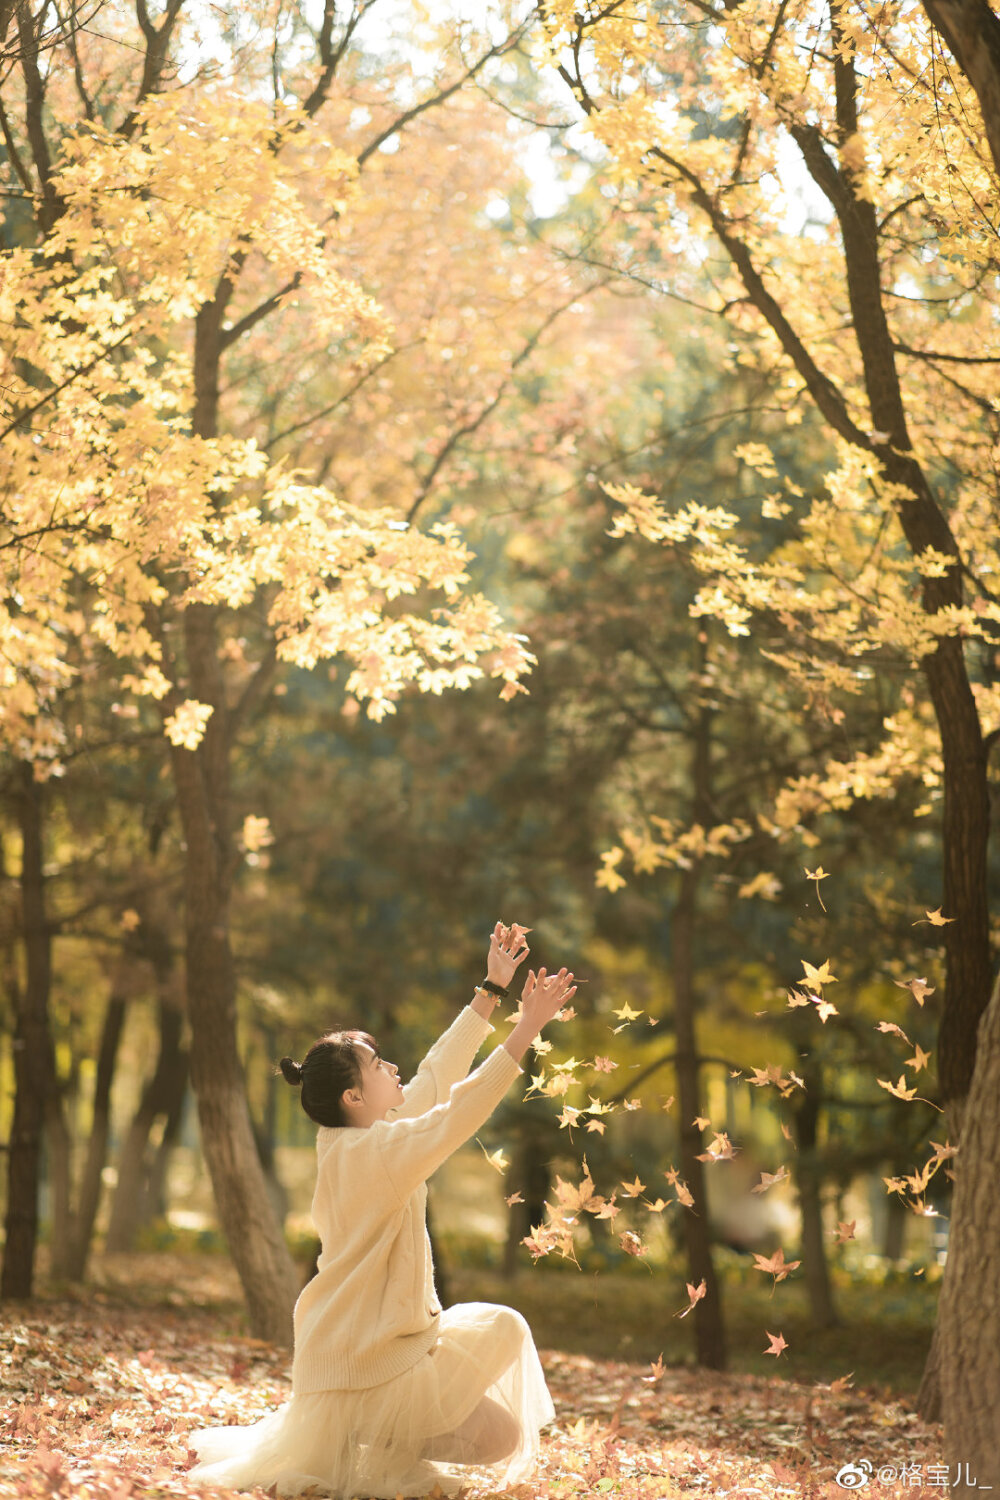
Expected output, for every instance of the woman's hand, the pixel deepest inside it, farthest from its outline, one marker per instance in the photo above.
(507, 950)
(543, 998)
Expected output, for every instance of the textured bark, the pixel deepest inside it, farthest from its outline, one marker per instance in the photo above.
(202, 776)
(34, 1062)
(969, 1309)
(971, 30)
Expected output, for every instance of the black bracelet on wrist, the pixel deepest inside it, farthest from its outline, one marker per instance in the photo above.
(494, 989)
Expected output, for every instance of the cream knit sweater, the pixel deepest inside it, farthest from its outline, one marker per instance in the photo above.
(371, 1310)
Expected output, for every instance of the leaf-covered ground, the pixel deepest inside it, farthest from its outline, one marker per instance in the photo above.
(100, 1397)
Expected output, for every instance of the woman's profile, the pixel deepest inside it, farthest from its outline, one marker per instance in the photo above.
(390, 1394)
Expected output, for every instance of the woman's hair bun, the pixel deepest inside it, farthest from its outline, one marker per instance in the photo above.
(291, 1071)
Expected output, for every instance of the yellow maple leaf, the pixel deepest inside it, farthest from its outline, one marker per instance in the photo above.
(898, 1089)
(497, 1160)
(823, 975)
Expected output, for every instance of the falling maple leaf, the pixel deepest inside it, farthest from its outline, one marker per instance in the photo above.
(514, 1198)
(937, 920)
(695, 1294)
(595, 1127)
(918, 988)
(776, 1266)
(816, 876)
(656, 1372)
(768, 1179)
(721, 1149)
(577, 1197)
(633, 1189)
(899, 1090)
(894, 1030)
(497, 1160)
(845, 1231)
(823, 975)
(777, 1345)
(627, 1014)
(919, 1060)
(604, 1065)
(657, 1207)
(701, 1123)
(632, 1244)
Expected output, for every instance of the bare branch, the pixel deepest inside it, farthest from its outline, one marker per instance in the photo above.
(442, 95)
(474, 423)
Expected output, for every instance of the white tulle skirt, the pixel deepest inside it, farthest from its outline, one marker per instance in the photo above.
(472, 1405)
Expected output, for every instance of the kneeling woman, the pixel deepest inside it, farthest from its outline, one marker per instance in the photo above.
(390, 1395)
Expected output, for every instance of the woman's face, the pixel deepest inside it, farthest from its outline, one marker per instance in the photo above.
(381, 1088)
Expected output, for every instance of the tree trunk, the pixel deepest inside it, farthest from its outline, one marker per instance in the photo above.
(709, 1325)
(129, 1208)
(59, 1157)
(202, 777)
(34, 1063)
(971, 30)
(809, 1182)
(73, 1264)
(530, 1176)
(969, 1311)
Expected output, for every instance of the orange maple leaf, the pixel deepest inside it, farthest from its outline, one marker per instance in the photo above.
(695, 1294)
(768, 1179)
(776, 1266)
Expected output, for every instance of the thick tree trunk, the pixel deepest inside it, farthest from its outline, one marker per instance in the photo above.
(969, 1310)
(34, 1064)
(971, 30)
(256, 1244)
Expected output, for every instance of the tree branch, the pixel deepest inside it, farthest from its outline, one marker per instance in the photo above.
(474, 423)
(158, 41)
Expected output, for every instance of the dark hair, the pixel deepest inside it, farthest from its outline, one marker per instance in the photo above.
(329, 1067)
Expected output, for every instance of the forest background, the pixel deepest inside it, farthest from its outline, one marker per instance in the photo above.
(640, 360)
